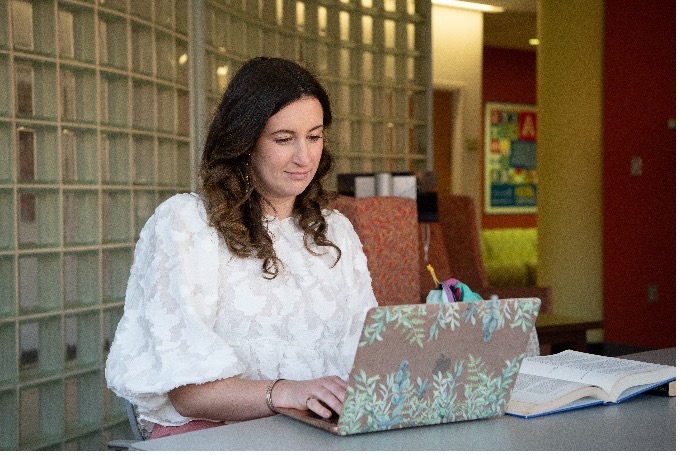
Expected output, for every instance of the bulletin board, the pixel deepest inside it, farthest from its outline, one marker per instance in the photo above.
(510, 158)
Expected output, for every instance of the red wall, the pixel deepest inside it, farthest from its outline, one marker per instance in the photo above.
(639, 216)
(508, 76)
(639, 211)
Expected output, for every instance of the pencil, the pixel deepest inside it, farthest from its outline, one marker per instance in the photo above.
(432, 273)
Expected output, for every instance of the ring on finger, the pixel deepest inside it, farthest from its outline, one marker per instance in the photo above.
(311, 397)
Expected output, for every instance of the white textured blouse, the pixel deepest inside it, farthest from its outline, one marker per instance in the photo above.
(196, 313)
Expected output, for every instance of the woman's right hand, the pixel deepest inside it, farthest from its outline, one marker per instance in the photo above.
(321, 395)
(236, 399)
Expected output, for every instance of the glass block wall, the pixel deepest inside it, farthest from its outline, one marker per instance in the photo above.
(95, 115)
(95, 133)
(373, 57)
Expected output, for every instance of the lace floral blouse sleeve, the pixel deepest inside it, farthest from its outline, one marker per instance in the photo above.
(165, 338)
(358, 281)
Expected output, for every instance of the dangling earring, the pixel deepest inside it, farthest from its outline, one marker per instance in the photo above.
(245, 178)
(245, 175)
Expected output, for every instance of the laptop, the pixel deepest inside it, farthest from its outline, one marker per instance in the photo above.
(427, 364)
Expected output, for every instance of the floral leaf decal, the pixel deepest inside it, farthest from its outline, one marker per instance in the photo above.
(470, 313)
(409, 319)
(447, 317)
(492, 319)
(400, 399)
(493, 315)
(524, 315)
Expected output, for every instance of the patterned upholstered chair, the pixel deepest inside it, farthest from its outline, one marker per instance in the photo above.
(388, 229)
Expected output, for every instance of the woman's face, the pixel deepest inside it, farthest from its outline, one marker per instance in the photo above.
(287, 154)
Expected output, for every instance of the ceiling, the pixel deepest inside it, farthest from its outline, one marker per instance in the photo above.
(516, 6)
(514, 27)
(510, 29)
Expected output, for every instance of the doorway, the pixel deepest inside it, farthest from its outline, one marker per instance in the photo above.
(447, 143)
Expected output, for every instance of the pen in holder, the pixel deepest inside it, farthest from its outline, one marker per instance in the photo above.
(450, 290)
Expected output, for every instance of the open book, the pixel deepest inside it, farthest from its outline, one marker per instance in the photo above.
(571, 380)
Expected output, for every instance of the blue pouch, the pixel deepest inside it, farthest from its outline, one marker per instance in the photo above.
(452, 290)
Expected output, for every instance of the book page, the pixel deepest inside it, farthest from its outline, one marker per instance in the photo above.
(534, 396)
(536, 390)
(586, 368)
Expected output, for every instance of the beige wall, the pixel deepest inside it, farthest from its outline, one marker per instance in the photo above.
(457, 63)
(570, 206)
(569, 91)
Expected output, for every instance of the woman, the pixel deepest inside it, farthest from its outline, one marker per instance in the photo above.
(250, 296)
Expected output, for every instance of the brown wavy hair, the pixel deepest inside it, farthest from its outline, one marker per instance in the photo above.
(258, 90)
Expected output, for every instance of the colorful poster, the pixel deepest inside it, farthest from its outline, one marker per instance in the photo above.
(510, 158)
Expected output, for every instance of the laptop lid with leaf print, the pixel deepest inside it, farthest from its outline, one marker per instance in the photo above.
(427, 364)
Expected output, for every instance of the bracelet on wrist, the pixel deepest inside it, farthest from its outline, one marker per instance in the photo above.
(268, 396)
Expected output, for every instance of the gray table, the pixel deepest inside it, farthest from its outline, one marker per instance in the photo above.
(645, 422)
